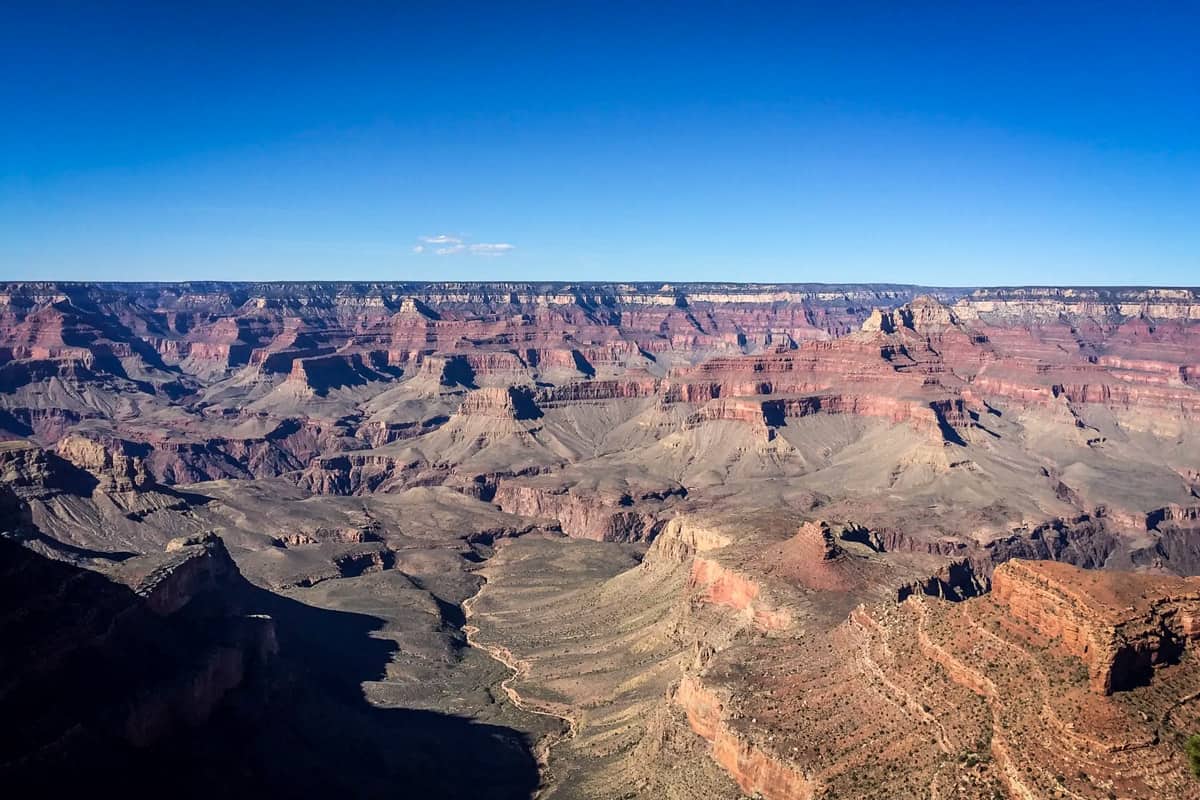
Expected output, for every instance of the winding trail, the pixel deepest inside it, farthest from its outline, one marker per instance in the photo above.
(519, 668)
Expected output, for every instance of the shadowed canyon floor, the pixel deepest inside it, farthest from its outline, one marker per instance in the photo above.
(601, 541)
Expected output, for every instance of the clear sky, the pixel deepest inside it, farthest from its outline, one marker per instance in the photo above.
(938, 143)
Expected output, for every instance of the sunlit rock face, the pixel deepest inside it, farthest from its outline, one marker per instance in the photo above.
(594, 541)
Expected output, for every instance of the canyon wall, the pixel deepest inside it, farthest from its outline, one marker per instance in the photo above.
(1121, 628)
(124, 660)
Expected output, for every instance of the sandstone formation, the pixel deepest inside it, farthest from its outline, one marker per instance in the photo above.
(925, 697)
(1121, 627)
(602, 540)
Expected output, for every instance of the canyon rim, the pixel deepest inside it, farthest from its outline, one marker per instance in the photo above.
(600, 540)
(586, 400)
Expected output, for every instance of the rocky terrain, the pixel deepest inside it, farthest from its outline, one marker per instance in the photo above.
(598, 541)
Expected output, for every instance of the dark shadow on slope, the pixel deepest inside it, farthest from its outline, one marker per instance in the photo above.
(524, 404)
(949, 434)
(774, 414)
(582, 364)
(82, 650)
(327, 373)
(1135, 666)
(458, 372)
(192, 499)
(66, 477)
(70, 551)
(333, 741)
(10, 424)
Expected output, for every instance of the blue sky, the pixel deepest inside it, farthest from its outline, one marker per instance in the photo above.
(938, 143)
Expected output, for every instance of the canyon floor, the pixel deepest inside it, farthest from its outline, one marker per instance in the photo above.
(600, 541)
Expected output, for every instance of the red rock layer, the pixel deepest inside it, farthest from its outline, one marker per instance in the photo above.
(939, 367)
(1120, 625)
(758, 773)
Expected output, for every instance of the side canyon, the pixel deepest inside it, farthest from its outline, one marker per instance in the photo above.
(592, 541)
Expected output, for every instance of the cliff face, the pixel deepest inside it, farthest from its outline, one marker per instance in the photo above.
(260, 380)
(717, 584)
(621, 510)
(973, 699)
(511, 402)
(781, 510)
(118, 465)
(1120, 626)
(326, 336)
(758, 773)
(120, 661)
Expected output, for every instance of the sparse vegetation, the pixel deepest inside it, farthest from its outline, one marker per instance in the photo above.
(714, 641)
(1193, 753)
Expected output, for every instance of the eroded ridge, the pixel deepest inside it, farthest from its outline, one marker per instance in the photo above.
(786, 541)
(797, 685)
(930, 698)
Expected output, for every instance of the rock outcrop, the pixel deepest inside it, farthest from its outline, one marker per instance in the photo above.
(166, 638)
(736, 538)
(758, 773)
(1120, 626)
(511, 402)
(118, 465)
(622, 510)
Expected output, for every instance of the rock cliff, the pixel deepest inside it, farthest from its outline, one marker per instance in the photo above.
(1120, 626)
(115, 662)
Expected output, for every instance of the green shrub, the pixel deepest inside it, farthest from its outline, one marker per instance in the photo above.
(1193, 753)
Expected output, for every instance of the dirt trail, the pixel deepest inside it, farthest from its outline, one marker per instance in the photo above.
(504, 656)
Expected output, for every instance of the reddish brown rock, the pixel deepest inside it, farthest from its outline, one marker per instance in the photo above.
(757, 773)
(737, 591)
(1121, 626)
(503, 403)
(118, 464)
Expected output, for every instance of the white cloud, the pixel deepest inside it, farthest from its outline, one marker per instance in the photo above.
(490, 248)
(448, 245)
